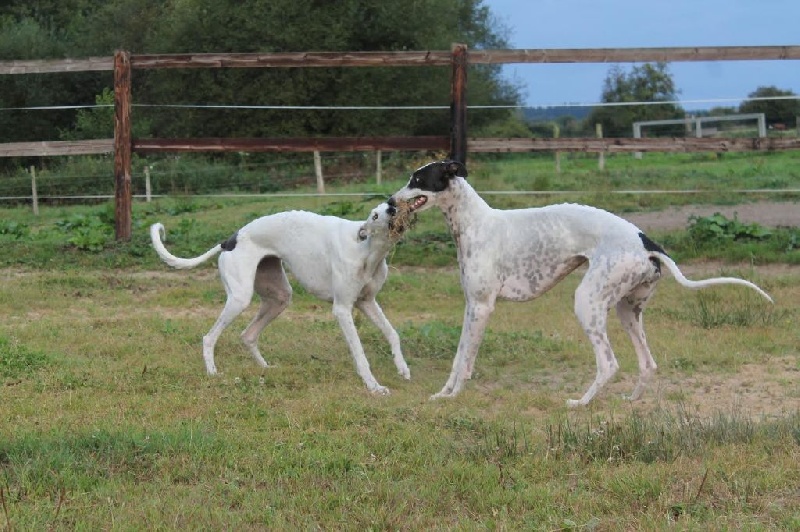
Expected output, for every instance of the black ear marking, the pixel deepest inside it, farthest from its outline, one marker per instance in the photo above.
(455, 169)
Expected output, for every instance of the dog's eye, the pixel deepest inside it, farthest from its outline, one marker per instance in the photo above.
(375, 216)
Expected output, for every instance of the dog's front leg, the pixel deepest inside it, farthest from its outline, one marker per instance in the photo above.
(344, 315)
(476, 317)
(375, 314)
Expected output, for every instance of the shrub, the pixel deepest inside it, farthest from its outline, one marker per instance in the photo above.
(718, 228)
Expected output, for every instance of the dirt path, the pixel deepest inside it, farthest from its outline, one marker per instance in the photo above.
(770, 214)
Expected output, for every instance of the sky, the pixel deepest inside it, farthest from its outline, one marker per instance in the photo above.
(650, 23)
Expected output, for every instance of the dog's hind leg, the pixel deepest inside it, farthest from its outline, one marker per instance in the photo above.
(273, 287)
(374, 312)
(605, 282)
(609, 279)
(629, 311)
(237, 277)
(592, 315)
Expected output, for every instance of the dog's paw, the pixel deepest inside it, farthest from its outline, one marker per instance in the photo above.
(632, 397)
(574, 403)
(380, 390)
(405, 373)
(442, 395)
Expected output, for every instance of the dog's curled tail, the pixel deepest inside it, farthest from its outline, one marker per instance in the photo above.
(157, 232)
(696, 285)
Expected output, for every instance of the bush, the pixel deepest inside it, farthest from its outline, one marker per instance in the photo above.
(716, 228)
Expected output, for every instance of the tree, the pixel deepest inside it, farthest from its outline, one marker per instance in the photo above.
(313, 25)
(80, 28)
(650, 82)
(778, 111)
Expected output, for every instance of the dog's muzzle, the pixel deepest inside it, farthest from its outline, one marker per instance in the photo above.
(413, 205)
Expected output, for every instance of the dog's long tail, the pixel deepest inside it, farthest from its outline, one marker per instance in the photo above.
(696, 285)
(157, 232)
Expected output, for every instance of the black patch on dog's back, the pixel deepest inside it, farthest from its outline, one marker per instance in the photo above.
(230, 244)
(649, 245)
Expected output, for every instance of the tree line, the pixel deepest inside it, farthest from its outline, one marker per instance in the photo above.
(82, 28)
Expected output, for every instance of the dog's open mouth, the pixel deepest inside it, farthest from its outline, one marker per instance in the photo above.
(403, 217)
(417, 202)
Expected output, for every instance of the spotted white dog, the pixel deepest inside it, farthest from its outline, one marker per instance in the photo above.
(337, 260)
(520, 254)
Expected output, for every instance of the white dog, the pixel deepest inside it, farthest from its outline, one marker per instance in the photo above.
(520, 254)
(337, 260)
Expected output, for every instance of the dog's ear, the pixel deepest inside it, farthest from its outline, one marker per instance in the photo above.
(455, 169)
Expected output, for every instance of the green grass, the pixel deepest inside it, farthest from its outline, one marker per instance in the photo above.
(115, 423)
(109, 422)
(65, 234)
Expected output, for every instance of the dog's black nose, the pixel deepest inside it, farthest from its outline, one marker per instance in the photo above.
(391, 210)
(391, 202)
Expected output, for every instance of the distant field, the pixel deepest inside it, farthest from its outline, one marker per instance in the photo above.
(109, 421)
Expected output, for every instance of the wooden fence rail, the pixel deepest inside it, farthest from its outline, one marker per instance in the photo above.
(458, 58)
(352, 144)
(297, 144)
(630, 145)
(56, 148)
(408, 58)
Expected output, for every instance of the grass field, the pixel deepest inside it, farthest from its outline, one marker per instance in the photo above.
(109, 422)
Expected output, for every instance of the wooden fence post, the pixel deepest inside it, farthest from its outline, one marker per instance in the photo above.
(147, 187)
(637, 134)
(458, 104)
(34, 193)
(378, 166)
(557, 134)
(122, 145)
(318, 172)
(601, 160)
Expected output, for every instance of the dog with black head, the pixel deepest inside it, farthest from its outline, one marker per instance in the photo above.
(519, 254)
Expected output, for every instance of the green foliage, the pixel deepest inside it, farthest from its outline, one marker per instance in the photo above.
(511, 127)
(98, 122)
(661, 436)
(718, 237)
(87, 232)
(719, 229)
(431, 248)
(343, 209)
(650, 82)
(711, 310)
(112, 431)
(80, 28)
(84, 458)
(775, 111)
(13, 228)
(17, 360)
(27, 39)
